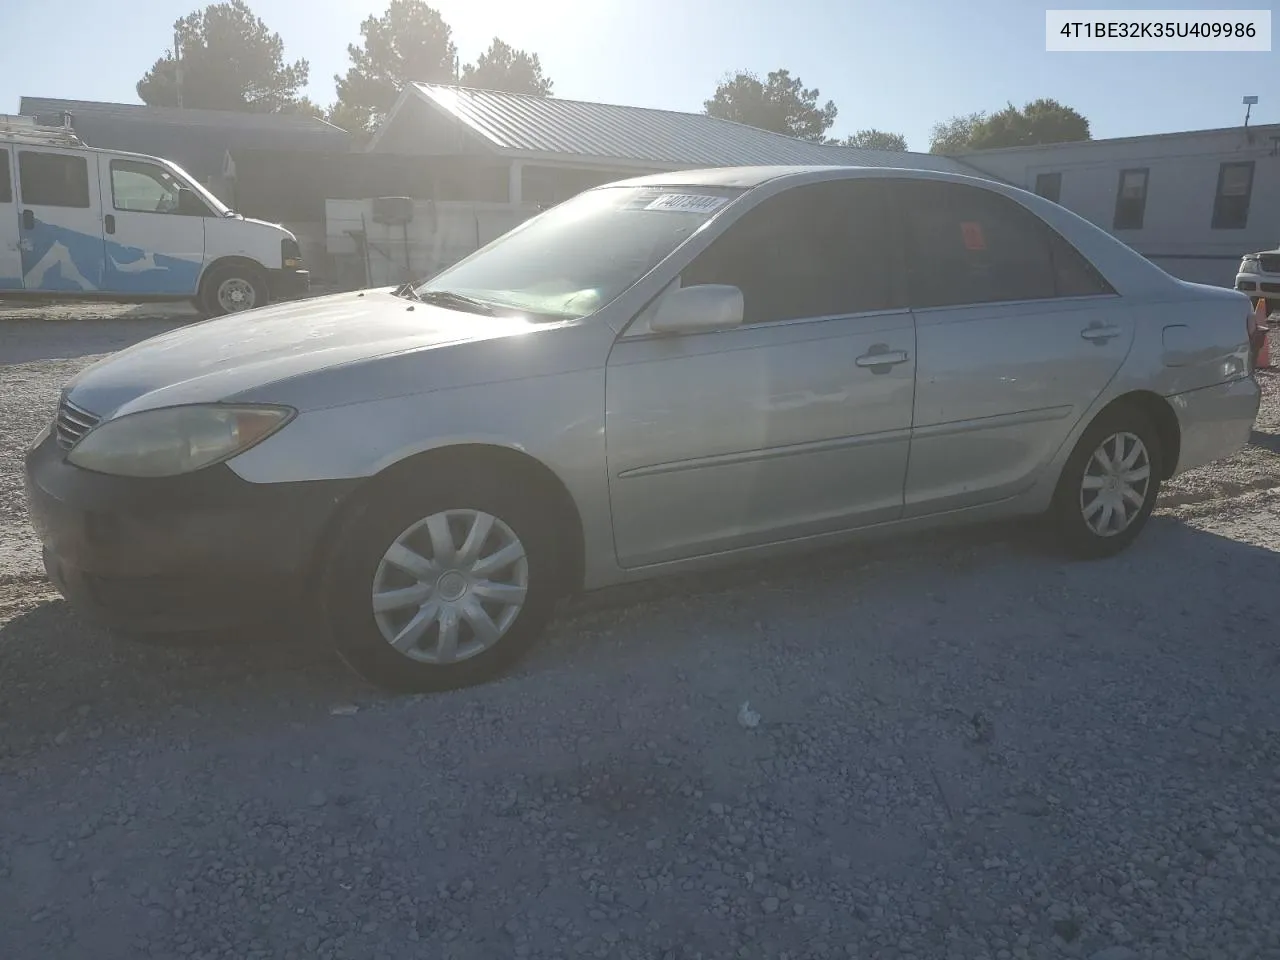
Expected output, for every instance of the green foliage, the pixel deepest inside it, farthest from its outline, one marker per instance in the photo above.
(410, 41)
(779, 103)
(229, 61)
(876, 140)
(1040, 121)
(503, 68)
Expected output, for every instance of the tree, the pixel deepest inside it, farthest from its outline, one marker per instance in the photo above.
(354, 120)
(502, 68)
(306, 106)
(779, 103)
(876, 140)
(410, 41)
(1040, 121)
(229, 61)
(955, 135)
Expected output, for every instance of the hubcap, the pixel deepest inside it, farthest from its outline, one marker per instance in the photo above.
(450, 586)
(236, 294)
(1115, 484)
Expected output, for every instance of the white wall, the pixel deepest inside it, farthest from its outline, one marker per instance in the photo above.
(1182, 182)
(441, 234)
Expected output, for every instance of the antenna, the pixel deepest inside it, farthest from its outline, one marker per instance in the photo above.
(1248, 106)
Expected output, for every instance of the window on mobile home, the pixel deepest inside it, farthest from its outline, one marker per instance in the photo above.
(1231, 203)
(1049, 186)
(1131, 200)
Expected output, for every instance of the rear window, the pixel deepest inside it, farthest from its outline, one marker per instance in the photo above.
(968, 245)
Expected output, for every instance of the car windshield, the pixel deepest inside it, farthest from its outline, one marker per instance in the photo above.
(576, 257)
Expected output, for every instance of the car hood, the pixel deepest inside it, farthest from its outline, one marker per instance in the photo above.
(218, 359)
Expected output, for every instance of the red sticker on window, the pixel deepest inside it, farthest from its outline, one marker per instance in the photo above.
(971, 231)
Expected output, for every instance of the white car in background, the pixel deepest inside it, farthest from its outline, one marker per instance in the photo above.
(1259, 277)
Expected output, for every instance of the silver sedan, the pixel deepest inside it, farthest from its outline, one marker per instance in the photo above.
(659, 375)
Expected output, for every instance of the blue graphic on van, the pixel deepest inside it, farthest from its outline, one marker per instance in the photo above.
(56, 258)
(10, 283)
(133, 270)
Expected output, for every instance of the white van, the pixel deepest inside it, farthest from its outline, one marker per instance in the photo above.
(80, 221)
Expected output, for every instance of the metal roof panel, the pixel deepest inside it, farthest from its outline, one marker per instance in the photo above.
(521, 124)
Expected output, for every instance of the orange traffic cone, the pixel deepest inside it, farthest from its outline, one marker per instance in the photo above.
(1264, 329)
(1259, 341)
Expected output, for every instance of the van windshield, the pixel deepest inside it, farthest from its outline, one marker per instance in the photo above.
(193, 184)
(571, 260)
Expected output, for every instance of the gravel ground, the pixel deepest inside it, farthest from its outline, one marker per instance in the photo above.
(955, 747)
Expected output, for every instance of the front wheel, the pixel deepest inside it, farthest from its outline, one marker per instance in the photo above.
(1109, 484)
(232, 288)
(432, 589)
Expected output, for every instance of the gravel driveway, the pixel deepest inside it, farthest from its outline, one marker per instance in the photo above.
(955, 747)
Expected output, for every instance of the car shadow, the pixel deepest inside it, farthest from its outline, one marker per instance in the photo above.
(35, 340)
(63, 677)
(1267, 441)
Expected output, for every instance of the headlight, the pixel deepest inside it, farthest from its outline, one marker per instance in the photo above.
(1250, 266)
(174, 440)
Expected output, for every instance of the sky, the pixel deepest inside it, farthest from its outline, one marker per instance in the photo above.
(900, 66)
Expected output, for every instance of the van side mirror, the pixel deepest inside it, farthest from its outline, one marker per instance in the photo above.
(698, 309)
(190, 204)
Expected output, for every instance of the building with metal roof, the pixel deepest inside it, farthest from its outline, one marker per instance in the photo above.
(196, 140)
(552, 148)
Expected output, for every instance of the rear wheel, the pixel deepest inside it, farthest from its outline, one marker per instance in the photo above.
(443, 585)
(1109, 484)
(232, 288)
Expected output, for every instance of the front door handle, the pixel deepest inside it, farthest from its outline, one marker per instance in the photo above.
(879, 361)
(110, 222)
(28, 220)
(1100, 332)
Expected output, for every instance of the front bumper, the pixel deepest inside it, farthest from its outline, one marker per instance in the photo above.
(1259, 285)
(288, 284)
(203, 551)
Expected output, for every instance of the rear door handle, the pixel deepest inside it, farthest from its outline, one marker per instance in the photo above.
(884, 359)
(110, 222)
(28, 220)
(1100, 333)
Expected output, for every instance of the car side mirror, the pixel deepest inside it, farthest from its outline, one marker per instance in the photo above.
(190, 205)
(698, 309)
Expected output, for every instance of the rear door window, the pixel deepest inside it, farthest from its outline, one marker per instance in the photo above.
(968, 245)
(53, 179)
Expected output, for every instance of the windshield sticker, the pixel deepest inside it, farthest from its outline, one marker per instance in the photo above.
(687, 203)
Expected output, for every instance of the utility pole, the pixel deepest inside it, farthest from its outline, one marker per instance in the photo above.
(177, 64)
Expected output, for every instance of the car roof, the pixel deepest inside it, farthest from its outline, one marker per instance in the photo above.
(748, 177)
(1127, 270)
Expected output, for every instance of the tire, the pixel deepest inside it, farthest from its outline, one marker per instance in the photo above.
(224, 284)
(442, 598)
(1082, 538)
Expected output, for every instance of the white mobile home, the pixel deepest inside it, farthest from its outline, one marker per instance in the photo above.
(1193, 203)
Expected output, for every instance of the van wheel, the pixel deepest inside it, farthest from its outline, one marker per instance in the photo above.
(441, 584)
(1109, 484)
(232, 288)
